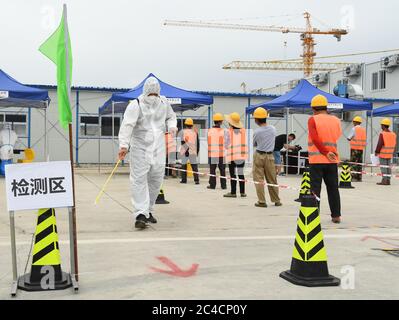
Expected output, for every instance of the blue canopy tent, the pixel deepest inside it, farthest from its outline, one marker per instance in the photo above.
(14, 94)
(298, 100)
(180, 99)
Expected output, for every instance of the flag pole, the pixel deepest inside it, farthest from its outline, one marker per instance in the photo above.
(68, 76)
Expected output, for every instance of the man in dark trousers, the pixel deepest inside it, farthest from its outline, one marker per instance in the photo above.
(324, 131)
(189, 150)
(216, 152)
(280, 143)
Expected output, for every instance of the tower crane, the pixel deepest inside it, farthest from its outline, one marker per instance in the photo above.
(306, 35)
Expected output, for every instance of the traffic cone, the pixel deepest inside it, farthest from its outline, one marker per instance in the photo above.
(345, 180)
(46, 272)
(309, 260)
(161, 198)
(189, 170)
(305, 185)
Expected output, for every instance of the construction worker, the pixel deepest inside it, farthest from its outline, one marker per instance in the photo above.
(237, 153)
(280, 143)
(324, 130)
(189, 150)
(170, 155)
(263, 164)
(8, 138)
(216, 152)
(358, 142)
(385, 150)
(142, 133)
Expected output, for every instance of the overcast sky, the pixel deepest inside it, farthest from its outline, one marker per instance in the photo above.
(117, 43)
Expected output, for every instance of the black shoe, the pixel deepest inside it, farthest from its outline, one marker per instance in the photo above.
(209, 187)
(151, 219)
(196, 182)
(224, 188)
(141, 222)
(183, 181)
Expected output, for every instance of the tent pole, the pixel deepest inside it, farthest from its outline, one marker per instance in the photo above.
(372, 136)
(46, 151)
(287, 112)
(99, 142)
(209, 115)
(113, 140)
(77, 130)
(29, 126)
(367, 134)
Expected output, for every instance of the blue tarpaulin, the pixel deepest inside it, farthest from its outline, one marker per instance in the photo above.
(298, 100)
(390, 110)
(15, 94)
(184, 100)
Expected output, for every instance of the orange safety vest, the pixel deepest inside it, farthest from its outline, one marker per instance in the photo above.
(329, 130)
(359, 141)
(216, 143)
(237, 150)
(190, 139)
(389, 145)
(170, 143)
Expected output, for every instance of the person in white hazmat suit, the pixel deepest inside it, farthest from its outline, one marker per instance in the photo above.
(8, 138)
(142, 133)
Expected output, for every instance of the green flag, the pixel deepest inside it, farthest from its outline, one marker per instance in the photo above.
(58, 49)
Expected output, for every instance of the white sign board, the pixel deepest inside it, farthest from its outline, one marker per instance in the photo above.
(31, 186)
(174, 100)
(335, 106)
(3, 94)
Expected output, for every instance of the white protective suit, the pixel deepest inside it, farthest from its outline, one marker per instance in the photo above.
(143, 132)
(8, 138)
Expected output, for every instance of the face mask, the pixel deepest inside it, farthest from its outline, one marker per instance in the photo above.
(150, 99)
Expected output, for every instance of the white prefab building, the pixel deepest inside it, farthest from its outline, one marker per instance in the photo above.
(376, 82)
(93, 140)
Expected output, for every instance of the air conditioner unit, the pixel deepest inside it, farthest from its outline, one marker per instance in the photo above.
(390, 61)
(320, 78)
(353, 70)
(355, 92)
(293, 83)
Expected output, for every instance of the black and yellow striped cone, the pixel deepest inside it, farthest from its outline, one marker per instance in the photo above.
(309, 260)
(46, 272)
(345, 180)
(161, 198)
(305, 185)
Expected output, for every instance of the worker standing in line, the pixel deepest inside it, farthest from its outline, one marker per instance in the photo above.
(358, 142)
(189, 150)
(280, 143)
(171, 148)
(385, 150)
(216, 152)
(142, 133)
(263, 164)
(324, 131)
(237, 153)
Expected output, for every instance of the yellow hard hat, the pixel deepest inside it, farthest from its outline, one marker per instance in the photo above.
(386, 122)
(189, 122)
(218, 117)
(260, 113)
(234, 120)
(319, 101)
(357, 119)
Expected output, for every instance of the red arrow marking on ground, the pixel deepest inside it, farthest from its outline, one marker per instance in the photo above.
(175, 270)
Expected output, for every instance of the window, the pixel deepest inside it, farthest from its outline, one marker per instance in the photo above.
(106, 126)
(17, 121)
(89, 126)
(374, 81)
(383, 79)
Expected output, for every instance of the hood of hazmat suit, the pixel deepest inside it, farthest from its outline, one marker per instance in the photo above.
(8, 138)
(143, 132)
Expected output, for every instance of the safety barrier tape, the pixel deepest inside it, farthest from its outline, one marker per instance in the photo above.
(356, 163)
(281, 186)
